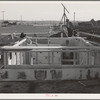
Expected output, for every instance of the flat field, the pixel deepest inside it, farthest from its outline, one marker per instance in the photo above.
(24, 29)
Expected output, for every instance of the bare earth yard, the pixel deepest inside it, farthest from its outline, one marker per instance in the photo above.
(47, 87)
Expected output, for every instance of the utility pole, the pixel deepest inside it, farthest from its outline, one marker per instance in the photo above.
(3, 15)
(74, 19)
(21, 19)
(32, 21)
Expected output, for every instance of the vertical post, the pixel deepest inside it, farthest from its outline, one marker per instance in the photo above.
(21, 20)
(5, 59)
(48, 41)
(93, 60)
(88, 55)
(13, 60)
(64, 17)
(74, 60)
(36, 57)
(78, 57)
(96, 59)
(31, 58)
(36, 41)
(18, 58)
(3, 15)
(48, 57)
(61, 35)
(22, 58)
(60, 57)
(24, 62)
(52, 57)
(74, 19)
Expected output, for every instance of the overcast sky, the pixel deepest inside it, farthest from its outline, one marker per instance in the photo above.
(49, 10)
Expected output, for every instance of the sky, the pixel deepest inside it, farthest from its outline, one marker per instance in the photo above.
(49, 10)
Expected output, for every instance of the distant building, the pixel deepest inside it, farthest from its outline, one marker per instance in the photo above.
(84, 24)
(7, 23)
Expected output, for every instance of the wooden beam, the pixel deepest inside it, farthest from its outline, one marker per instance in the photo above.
(19, 43)
(48, 47)
(45, 66)
(5, 59)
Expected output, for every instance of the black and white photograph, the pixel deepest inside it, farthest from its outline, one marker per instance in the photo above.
(50, 47)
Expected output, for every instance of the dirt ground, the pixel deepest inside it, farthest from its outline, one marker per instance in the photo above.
(47, 87)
